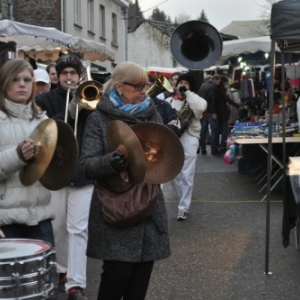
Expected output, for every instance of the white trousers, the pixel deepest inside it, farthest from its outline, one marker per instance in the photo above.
(71, 206)
(183, 182)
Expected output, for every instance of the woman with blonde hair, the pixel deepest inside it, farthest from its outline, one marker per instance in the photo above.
(128, 253)
(25, 211)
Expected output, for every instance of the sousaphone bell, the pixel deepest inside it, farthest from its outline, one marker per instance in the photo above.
(154, 152)
(55, 155)
(196, 45)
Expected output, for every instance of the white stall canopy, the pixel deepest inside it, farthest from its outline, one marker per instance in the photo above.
(246, 46)
(45, 43)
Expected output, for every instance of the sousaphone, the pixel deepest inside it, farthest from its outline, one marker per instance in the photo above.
(55, 155)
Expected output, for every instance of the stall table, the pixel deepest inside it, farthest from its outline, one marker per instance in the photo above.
(263, 144)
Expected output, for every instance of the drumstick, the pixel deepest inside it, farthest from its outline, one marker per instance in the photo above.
(2, 235)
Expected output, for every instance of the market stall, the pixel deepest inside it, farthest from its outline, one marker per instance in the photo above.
(285, 33)
(45, 43)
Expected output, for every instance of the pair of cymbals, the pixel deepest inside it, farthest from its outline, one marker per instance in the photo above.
(54, 169)
(154, 152)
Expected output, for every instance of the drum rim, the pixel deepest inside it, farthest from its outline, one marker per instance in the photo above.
(24, 257)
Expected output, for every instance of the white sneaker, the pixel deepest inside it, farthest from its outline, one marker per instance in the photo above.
(181, 216)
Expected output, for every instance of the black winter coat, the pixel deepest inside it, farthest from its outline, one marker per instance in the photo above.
(223, 112)
(167, 114)
(209, 92)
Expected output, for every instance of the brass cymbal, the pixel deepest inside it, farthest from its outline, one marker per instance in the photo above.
(163, 151)
(61, 169)
(45, 139)
(119, 136)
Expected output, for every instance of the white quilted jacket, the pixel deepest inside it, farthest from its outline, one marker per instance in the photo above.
(19, 204)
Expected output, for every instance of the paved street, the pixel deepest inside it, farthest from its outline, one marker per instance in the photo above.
(219, 252)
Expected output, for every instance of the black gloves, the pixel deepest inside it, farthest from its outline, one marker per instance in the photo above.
(182, 89)
(118, 161)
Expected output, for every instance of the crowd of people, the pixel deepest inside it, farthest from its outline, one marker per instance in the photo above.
(71, 218)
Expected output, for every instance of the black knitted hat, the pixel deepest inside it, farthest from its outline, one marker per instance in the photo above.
(189, 78)
(69, 61)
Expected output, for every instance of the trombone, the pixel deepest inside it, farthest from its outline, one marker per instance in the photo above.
(87, 95)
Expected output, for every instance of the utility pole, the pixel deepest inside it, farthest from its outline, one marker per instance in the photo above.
(136, 13)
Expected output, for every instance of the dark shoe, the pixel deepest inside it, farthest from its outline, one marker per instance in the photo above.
(62, 281)
(203, 152)
(76, 293)
(215, 152)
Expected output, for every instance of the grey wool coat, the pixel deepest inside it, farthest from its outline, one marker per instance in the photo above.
(145, 241)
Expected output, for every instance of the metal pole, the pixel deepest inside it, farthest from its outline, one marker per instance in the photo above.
(269, 159)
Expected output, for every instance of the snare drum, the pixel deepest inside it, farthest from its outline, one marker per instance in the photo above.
(27, 269)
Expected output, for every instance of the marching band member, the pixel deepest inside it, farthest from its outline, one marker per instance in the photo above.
(186, 99)
(129, 253)
(71, 204)
(25, 211)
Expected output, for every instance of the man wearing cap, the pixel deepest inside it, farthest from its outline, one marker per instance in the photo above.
(42, 81)
(190, 130)
(71, 204)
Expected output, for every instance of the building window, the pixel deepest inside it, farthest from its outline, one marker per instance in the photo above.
(77, 12)
(102, 21)
(90, 16)
(114, 29)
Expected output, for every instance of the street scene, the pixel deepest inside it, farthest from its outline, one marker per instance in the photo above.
(149, 150)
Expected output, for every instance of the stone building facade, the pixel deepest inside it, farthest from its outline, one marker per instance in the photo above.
(102, 21)
(46, 13)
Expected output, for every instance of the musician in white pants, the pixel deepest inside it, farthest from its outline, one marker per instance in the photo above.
(72, 205)
(185, 96)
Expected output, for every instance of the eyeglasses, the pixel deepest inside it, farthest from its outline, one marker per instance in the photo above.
(139, 87)
(26, 80)
(65, 73)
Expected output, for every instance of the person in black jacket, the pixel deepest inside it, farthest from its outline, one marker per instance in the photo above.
(71, 204)
(209, 92)
(223, 112)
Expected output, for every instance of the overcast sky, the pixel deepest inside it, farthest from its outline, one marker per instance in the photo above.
(220, 13)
